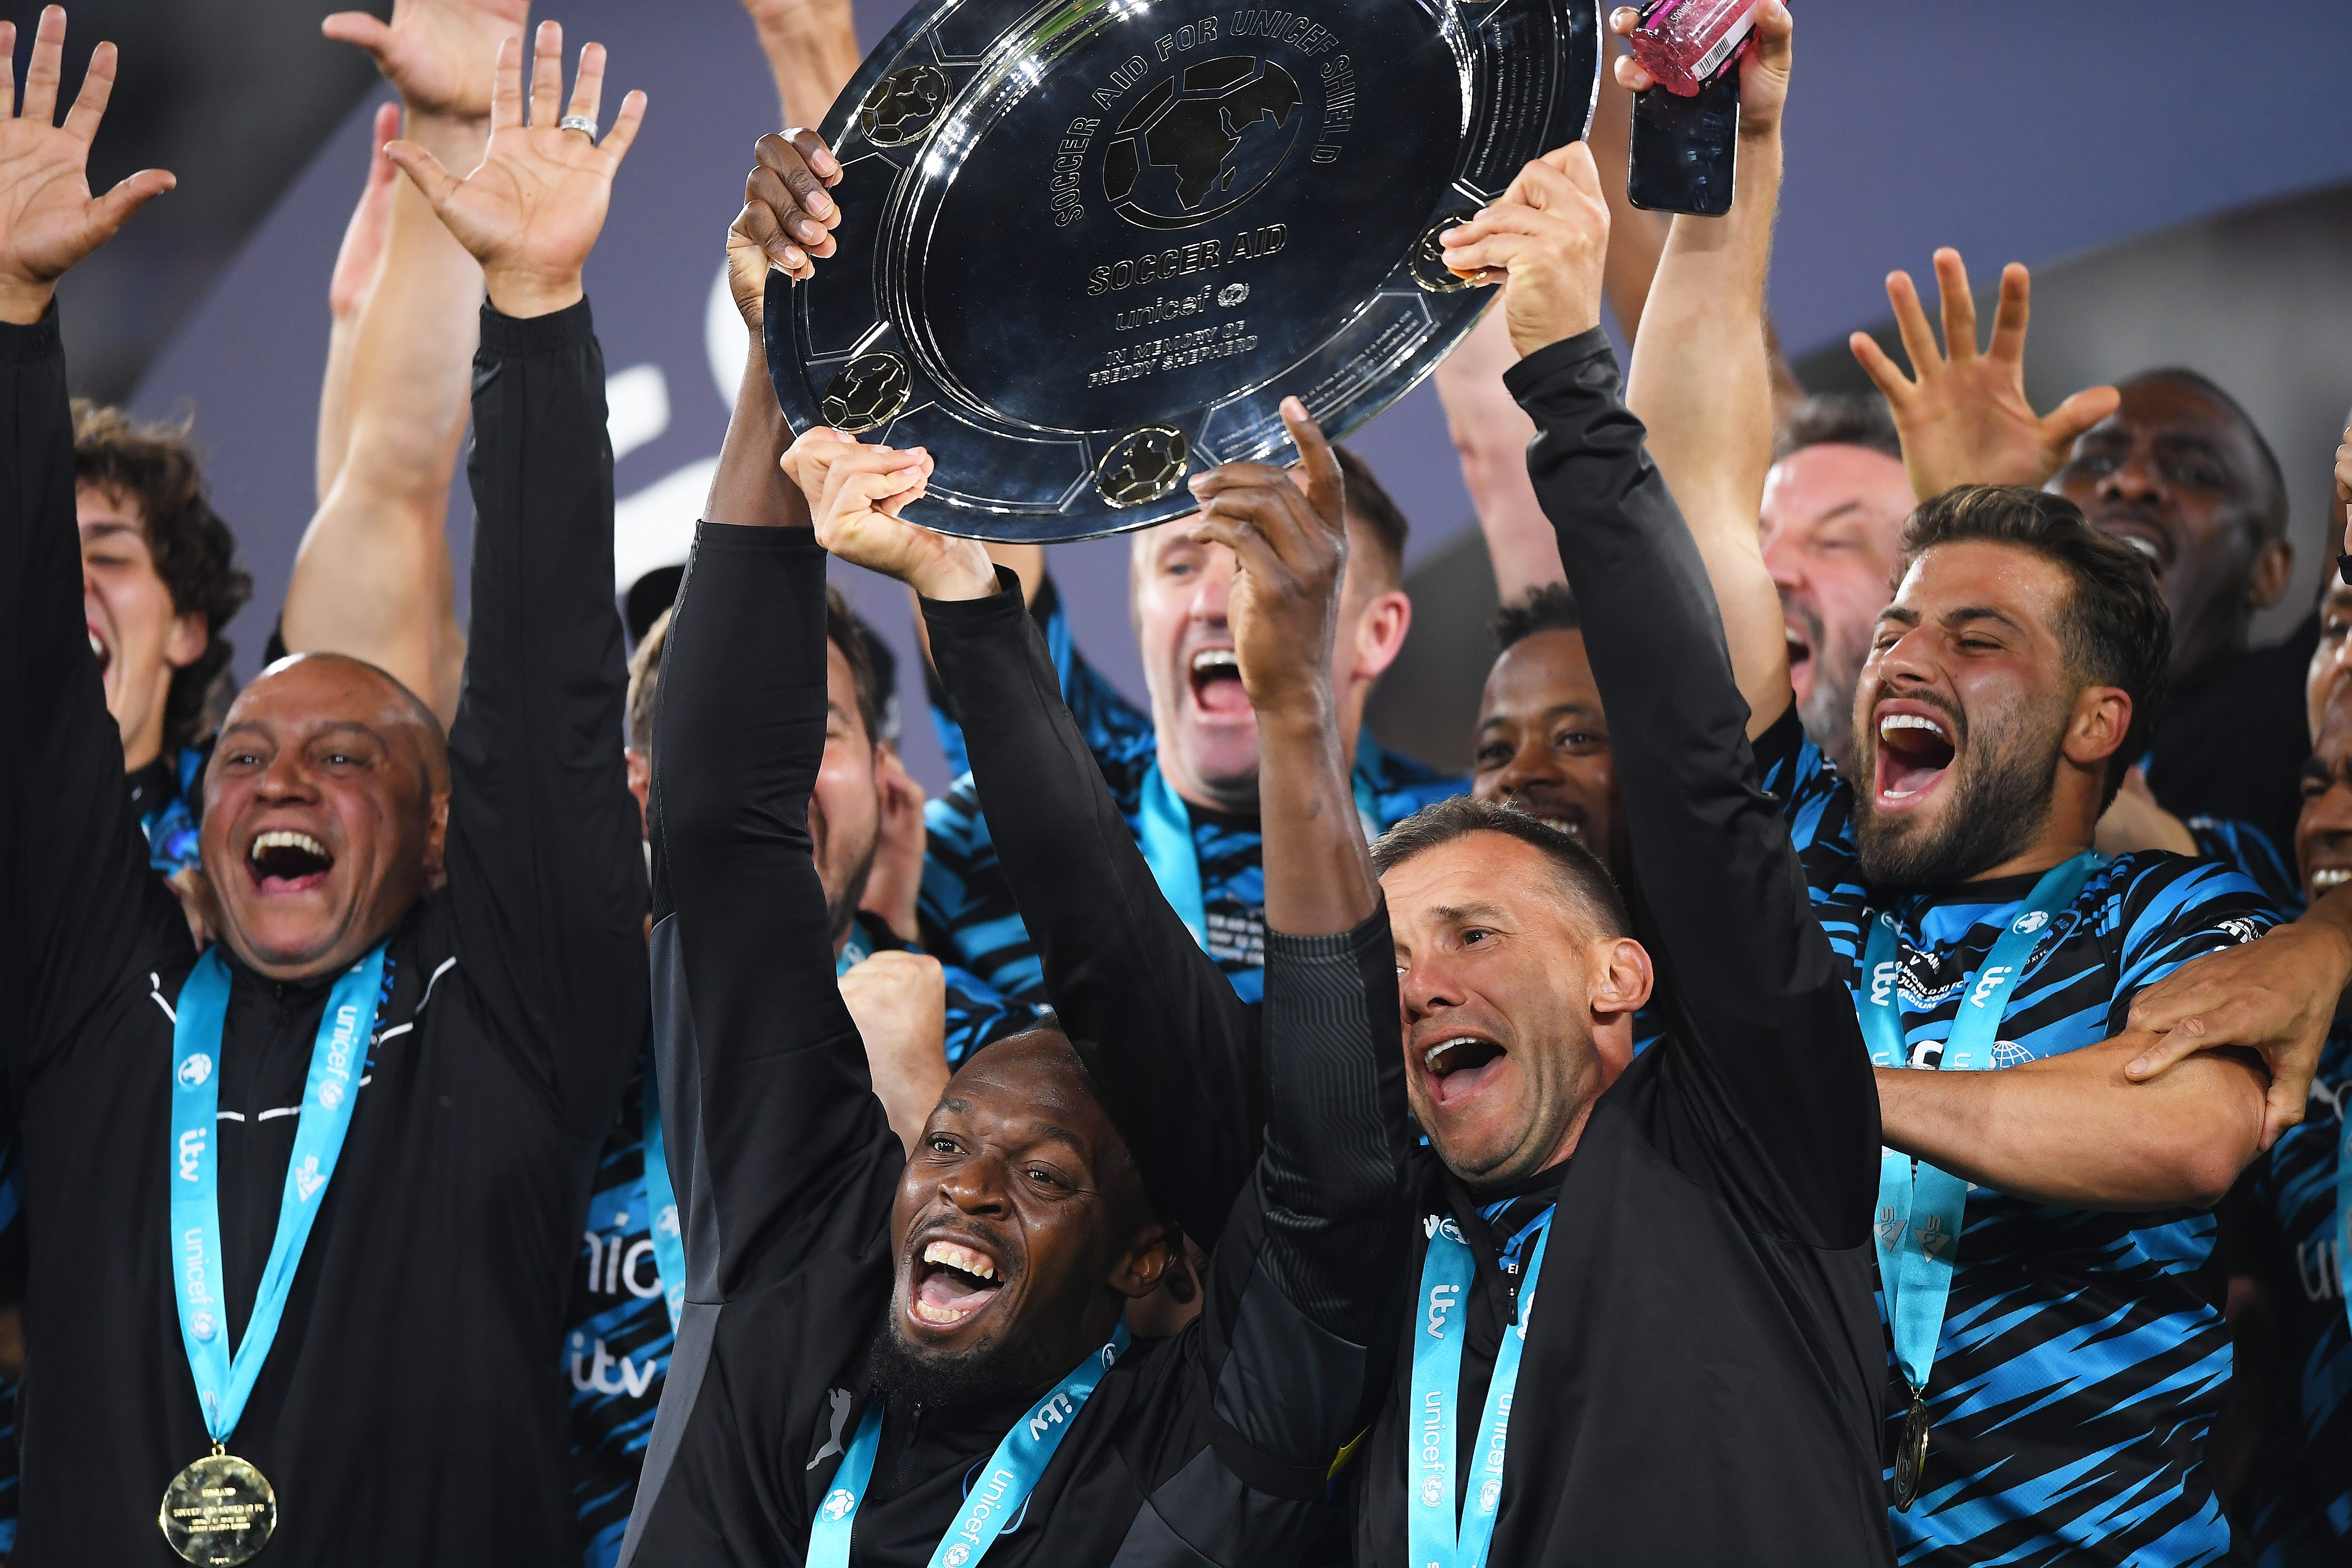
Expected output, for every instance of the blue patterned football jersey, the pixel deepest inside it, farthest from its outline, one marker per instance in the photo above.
(2083, 1354)
(968, 916)
(616, 1339)
(2299, 1509)
(2247, 848)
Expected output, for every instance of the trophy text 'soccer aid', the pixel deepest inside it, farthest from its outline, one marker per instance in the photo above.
(1089, 248)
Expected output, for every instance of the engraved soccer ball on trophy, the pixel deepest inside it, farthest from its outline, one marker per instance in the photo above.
(902, 105)
(1199, 145)
(1144, 465)
(1086, 251)
(865, 392)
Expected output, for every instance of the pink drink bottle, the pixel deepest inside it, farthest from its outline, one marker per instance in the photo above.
(1687, 43)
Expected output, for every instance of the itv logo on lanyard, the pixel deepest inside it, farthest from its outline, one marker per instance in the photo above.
(1432, 1535)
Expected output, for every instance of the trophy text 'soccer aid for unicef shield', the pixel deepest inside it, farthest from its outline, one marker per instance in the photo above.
(1088, 247)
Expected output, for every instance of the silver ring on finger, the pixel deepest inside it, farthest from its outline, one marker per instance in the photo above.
(583, 123)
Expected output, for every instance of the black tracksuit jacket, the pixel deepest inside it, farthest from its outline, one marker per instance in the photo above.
(410, 1410)
(1704, 1366)
(1211, 1446)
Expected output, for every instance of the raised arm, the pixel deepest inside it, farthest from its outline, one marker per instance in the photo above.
(1177, 1048)
(812, 49)
(358, 262)
(1323, 1223)
(546, 875)
(73, 869)
(1491, 434)
(1701, 379)
(772, 1128)
(373, 578)
(1762, 1008)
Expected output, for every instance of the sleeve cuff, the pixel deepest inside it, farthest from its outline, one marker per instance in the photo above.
(519, 337)
(739, 539)
(1343, 948)
(22, 346)
(1561, 363)
(981, 611)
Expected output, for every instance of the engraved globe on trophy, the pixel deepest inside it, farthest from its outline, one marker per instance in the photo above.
(1087, 247)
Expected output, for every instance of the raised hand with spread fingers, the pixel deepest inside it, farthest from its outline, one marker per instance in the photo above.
(531, 212)
(48, 219)
(1963, 413)
(436, 52)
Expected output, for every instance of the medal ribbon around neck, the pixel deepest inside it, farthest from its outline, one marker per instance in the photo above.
(1165, 836)
(338, 1057)
(1447, 1270)
(1918, 1229)
(2343, 1209)
(661, 1197)
(1010, 1476)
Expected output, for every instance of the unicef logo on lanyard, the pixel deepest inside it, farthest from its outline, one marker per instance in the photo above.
(1432, 1492)
(838, 1503)
(194, 1069)
(956, 1556)
(1490, 1492)
(2029, 922)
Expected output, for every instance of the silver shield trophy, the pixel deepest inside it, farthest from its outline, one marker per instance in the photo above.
(1088, 247)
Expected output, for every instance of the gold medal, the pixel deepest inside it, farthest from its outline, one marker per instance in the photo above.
(218, 1512)
(1911, 1455)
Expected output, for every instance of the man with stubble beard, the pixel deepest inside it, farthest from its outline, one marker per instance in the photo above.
(2171, 465)
(2057, 1350)
(887, 1358)
(1639, 1326)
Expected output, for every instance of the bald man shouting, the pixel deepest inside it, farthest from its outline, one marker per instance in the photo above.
(303, 1208)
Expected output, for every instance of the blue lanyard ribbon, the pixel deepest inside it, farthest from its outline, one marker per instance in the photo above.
(1165, 836)
(661, 1196)
(338, 1058)
(1447, 1270)
(1010, 1476)
(2343, 1208)
(1919, 1215)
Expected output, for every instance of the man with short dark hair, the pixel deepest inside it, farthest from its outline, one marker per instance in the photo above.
(159, 582)
(2170, 464)
(896, 1359)
(2182, 468)
(916, 1019)
(351, 1307)
(1542, 742)
(1629, 1272)
(2057, 1352)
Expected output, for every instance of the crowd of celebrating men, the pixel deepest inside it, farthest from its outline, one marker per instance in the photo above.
(1852, 1075)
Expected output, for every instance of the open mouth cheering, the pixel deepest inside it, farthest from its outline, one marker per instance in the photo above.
(950, 1282)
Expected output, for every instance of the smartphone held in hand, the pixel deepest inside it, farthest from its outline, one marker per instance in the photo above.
(1685, 150)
